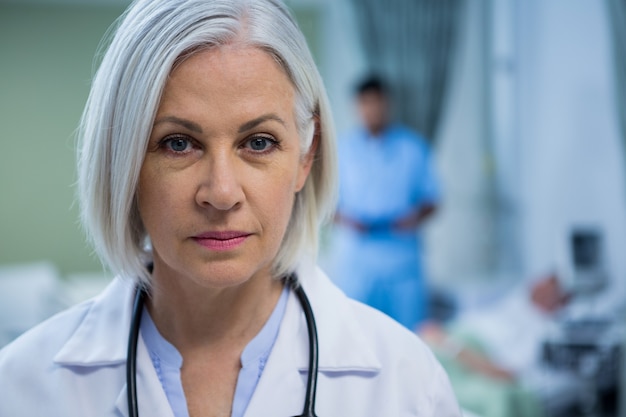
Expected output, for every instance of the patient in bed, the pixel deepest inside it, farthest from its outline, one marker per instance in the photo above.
(493, 355)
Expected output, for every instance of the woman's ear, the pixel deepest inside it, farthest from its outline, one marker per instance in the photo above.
(306, 161)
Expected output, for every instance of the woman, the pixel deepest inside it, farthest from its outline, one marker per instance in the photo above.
(206, 164)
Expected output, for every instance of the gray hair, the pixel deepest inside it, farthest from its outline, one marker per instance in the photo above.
(151, 38)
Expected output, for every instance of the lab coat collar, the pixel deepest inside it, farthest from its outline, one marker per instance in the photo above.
(101, 339)
(102, 336)
(343, 347)
(343, 344)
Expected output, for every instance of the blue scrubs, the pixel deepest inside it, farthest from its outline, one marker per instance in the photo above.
(381, 180)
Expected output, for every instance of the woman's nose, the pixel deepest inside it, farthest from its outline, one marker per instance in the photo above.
(220, 187)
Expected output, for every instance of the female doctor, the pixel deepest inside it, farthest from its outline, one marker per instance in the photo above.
(206, 163)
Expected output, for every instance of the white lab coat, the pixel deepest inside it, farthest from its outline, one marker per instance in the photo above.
(73, 365)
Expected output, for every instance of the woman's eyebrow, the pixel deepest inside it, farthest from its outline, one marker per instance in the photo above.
(187, 124)
(261, 119)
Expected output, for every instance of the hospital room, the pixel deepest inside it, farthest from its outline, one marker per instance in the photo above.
(481, 186)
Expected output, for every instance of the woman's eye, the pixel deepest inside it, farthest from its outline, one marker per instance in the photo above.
(177, 144)
(261, 143)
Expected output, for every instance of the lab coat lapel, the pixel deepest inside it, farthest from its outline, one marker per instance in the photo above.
(342, 343)
(280, 391)
(343, 348)
(101, 338)
(151, 398)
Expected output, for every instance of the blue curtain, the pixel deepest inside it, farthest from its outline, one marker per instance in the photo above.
(412, 44)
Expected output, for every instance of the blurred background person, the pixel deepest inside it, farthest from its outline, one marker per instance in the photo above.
(388, 188)
(495, 358)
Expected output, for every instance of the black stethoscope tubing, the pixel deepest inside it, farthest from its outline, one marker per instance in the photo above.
(133, 337)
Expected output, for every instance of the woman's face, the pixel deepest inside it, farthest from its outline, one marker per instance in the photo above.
(222, 168)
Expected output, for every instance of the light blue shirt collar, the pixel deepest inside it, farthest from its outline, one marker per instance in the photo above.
(167, 361)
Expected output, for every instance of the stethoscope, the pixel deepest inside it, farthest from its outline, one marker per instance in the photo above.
(133, 336)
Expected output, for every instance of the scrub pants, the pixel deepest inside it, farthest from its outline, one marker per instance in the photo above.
(383, 272)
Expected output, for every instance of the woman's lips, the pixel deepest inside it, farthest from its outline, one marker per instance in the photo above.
(221, 241)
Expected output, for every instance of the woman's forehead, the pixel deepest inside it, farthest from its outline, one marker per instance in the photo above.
(228, 84)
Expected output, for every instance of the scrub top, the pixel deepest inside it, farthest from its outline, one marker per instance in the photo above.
(381, 179)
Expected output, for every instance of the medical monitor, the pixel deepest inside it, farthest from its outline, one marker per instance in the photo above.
(586, 259)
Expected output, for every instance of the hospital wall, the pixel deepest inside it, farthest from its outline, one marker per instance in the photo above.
(46, 55)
